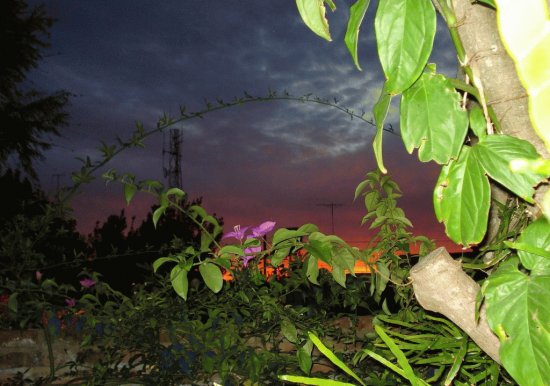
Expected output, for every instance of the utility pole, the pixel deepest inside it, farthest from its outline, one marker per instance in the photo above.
(173, 170)
(331, 205)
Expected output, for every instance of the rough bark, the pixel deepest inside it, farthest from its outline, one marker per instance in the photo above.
(440, 285)
(503, 91)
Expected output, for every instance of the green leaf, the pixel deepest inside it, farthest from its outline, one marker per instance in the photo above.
(289, 331)
(380, 111)
(537, 234)
(384, 361)
(457, 363)
(359, 189)
(129, 192)
(343, 257)
(356, 14)
(279, 255)
(517, 310)
(198, 211)
(440, 186)
(319, 249)
(308, 228)
(333, 358)
(161, 260)
(371, 200)
(304, 358)
(178, 278)
(212, 276)
(312, 272)
(408, 372)
(157, 213)
(523, 28)
(432, 119)
(175, 192)
(283, 234)
(466, 199)
(405, 32)
(313, 381)
(231, 250)
(339, 275)
(313, 15)
(478, 124)
(495, 152)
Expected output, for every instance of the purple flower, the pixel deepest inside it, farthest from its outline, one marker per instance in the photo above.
(237, 233)
(263, 229)
(38, 275)
(248, 254)
(70, 302)
(87, 283)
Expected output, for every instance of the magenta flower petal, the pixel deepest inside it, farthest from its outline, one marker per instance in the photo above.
(87, 283)
(263, 229)
(250, 254)
(237, 233)
(70, 302)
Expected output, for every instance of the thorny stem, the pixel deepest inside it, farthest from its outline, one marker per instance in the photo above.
(88, 169)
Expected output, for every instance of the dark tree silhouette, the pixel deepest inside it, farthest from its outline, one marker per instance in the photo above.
(126, 258)
(35, 234)
(27, 117)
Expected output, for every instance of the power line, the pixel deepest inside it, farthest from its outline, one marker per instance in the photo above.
(331, 205)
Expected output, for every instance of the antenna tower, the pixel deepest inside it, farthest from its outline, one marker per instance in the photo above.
(331, 205)
(172, 170)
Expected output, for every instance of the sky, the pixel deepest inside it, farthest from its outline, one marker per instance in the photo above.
(128, 61)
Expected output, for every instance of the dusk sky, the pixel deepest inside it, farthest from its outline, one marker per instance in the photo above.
(129, 61)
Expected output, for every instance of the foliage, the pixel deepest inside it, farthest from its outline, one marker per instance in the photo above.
(434, 119)
(25, 116)
(531, 61)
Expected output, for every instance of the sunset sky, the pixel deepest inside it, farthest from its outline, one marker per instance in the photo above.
(129, 61)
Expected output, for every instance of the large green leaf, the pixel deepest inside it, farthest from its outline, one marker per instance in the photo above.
(537, 234)
(440, 186)
(517, 310)
(356, 14)
(432, 119)
(289, 331)
(304, 357)
(212, 276)
(380, 111)
(178, 278)
(465, 199)
(495, 152)
(333, 358)
(525, 31)
(312, 271)
(313, 15)
(405, 31)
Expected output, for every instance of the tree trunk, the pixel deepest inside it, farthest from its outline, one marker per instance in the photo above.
(477, 28)
(440, 285)
(439, 282)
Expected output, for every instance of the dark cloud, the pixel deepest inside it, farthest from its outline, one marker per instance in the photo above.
(132, 61)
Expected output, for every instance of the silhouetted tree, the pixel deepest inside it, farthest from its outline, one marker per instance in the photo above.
(26, 116)
(34, 233)
(124, 259)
